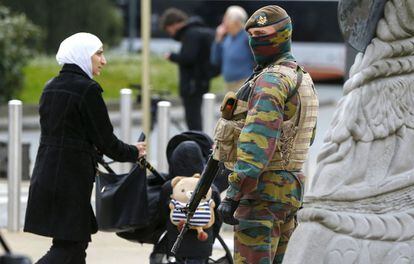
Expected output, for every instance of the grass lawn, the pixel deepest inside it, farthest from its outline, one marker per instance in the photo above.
(120, 72)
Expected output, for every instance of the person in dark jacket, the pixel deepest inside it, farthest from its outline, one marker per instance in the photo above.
(74, 126)
(193, 60)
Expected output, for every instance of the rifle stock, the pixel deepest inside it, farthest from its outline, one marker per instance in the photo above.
(203, 185)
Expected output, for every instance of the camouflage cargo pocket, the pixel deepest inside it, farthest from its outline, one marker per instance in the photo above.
(226, 134)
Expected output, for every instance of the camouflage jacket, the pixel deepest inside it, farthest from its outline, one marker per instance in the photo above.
(272, 101)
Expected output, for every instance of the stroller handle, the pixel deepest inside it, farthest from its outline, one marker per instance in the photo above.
(142, 162)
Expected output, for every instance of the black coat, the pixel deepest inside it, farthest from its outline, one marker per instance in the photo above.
(74, 126)
(194, 57)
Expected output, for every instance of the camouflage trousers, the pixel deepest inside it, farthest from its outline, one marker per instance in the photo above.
(263, 232)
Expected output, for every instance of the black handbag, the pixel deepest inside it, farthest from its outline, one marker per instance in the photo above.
(149, 233)
(121, 200)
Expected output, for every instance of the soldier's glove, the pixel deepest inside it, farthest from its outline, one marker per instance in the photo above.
(226, 211)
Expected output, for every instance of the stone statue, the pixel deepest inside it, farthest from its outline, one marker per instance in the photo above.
(360, 204)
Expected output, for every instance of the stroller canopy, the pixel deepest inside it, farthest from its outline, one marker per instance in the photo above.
(188, 152)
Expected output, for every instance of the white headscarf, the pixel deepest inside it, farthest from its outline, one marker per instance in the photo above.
(78, 49)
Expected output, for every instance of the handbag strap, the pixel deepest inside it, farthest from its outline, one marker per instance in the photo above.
(4, 244)
(142, 162)
(100, 160)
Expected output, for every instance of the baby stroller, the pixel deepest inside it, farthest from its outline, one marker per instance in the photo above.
(186, 155)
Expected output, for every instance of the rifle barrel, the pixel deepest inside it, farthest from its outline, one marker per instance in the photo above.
(207, 178)
(179, 239)
(203, 185)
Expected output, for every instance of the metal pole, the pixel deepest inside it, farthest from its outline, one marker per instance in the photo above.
(209, 113)
(145, 37)
(14, 164)
(163, 122)
(126, 122)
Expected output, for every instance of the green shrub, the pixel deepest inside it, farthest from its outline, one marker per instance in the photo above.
(62, 18)
(18, 37)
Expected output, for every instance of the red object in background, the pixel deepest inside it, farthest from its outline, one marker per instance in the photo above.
(325, 74)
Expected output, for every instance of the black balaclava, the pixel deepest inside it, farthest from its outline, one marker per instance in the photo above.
(273, 47)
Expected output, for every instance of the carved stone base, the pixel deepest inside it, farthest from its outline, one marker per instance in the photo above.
(360, 204)
(313, 243)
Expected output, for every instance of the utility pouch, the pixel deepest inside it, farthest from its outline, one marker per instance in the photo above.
(228, 105)
(226, 135)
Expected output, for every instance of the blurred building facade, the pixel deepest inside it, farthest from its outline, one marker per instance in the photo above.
(317, 42)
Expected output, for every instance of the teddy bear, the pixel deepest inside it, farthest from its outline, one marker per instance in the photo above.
(203, 218)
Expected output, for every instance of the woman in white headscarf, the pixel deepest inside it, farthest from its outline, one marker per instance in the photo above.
(74, 127)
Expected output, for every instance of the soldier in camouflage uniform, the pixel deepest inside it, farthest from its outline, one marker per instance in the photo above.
(265, 140)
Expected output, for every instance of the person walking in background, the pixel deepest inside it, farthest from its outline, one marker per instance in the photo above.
(230, 49)
(75, 126)
(193, 60)
(276, 114)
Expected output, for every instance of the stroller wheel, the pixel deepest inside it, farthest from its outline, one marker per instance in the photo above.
(160, 258)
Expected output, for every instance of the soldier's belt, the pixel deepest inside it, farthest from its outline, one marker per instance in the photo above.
(280, 165)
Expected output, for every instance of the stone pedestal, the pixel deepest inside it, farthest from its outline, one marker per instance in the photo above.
(360, 204)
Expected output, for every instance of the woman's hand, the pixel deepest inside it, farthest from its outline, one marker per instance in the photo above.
(142, 149)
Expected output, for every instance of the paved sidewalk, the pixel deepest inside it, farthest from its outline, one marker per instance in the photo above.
(106, 248)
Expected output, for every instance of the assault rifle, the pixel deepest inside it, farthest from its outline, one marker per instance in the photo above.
(203, 185)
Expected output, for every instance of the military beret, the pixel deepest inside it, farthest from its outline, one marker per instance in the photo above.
(266, 16)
